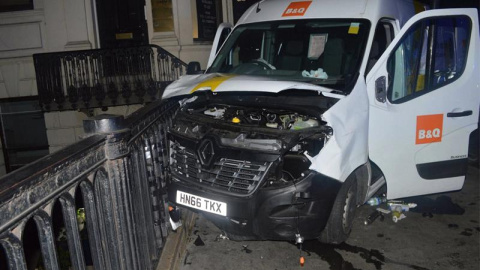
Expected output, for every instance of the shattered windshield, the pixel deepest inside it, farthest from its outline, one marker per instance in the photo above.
(323, 52)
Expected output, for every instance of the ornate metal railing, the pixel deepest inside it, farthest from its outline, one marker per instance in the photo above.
(104, 77)
(98, 202)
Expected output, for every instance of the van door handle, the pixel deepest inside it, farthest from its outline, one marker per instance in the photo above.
(459, 114)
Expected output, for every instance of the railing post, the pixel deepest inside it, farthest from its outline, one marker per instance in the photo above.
(114, 203)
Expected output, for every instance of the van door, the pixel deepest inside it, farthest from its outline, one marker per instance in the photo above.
(424, 95)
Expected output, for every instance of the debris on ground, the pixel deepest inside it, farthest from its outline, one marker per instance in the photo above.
(222, 237)
(199, 241)
(396, 208)
(396, 216)
(384, 211)
(373, 216)
(246, 249)
(302, 261)
(175, 220)
(376, 201)
(401, 206)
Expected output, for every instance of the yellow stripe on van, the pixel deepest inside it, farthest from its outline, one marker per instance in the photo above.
(212, 83)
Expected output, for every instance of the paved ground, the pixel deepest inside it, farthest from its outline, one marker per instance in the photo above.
(444, 233)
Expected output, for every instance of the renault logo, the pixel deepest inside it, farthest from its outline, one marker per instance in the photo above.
(206, 152)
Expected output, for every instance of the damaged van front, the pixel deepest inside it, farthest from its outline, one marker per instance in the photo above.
(243, 149)
(272, 141)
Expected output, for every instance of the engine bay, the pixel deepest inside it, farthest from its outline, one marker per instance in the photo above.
(262, 128)
(270, 118)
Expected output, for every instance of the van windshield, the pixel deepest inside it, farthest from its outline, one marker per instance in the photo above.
(322, 52)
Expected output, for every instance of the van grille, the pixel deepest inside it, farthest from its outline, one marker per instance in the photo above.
(229, 175)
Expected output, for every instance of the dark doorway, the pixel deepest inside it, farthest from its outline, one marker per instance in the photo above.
(121, 23)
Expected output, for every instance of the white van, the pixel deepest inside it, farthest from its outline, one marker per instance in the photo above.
(310, 107)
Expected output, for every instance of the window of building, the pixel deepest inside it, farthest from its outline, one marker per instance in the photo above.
(162, 13)
(15, 5)
(428, 59)
(206, 16)
(23, 132)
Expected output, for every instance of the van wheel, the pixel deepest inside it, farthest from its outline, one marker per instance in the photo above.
(341, 218)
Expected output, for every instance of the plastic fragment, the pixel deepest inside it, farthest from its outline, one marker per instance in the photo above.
(302, 261)
(384, 211)
(221, 236)
(396, 216)
(405, 207)
(175, 220)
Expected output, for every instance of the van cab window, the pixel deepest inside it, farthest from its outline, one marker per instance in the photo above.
(324, 52)
(415, 67)
(383, 36)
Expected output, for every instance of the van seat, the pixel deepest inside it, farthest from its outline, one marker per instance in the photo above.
(291, 57)
(333, 57)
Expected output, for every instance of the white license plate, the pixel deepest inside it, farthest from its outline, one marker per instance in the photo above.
(200, 203)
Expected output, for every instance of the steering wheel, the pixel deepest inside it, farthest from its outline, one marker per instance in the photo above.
(261, 62)
(252, 67)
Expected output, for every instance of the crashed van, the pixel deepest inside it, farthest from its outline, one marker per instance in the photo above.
(309, 108)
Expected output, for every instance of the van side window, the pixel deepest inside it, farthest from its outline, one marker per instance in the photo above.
(382, 38)
(432, 54)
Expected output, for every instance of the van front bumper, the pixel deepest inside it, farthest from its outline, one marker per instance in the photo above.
(273, 213)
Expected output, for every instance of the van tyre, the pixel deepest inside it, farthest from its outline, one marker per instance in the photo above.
(341, 218)
(473, 149)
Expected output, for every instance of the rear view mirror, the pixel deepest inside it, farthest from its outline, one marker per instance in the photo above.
(193, 68)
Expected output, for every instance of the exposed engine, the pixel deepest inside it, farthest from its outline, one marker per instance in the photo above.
(278, 119)
(236, 148)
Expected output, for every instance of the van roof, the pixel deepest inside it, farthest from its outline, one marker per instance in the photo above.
(273, 10)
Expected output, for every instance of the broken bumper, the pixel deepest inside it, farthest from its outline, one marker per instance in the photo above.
(275, 213)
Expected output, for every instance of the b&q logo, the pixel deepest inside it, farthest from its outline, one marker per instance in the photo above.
(429, 128)
(296, 8)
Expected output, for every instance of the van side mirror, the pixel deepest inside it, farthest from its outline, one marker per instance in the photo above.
(381, 89)
(193, 68)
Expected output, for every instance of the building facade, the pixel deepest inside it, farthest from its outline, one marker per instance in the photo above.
(185, 28)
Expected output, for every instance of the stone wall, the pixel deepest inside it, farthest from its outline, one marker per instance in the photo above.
(17, 78)
(65, 128)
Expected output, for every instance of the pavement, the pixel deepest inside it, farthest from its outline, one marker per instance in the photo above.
(443, 232)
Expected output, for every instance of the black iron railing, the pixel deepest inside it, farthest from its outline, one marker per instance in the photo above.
(100, 201)
(104, 77)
